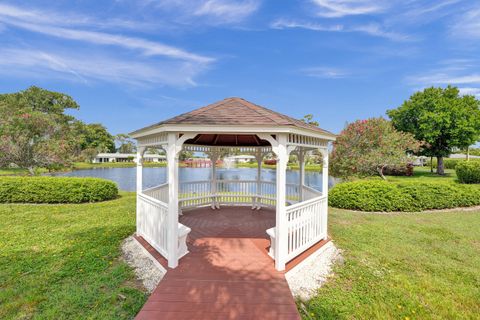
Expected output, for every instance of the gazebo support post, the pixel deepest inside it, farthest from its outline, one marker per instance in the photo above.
(301, 163)
(174, 147)
(324, 153)
(259, 158)
(172, 178)
(214, 156)
(281, 218)
(140, 152)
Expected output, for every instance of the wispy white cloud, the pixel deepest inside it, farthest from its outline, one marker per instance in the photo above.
(74, 67)
(325, 72)
(212, 11)
(374, 29)
(428, 10)
(396, 20)
(19, 18)
(467, 25)
(470, 91)
(457, 72)
(341, 8)
(149, 48)
(229, 11)
(370, 29)
(137, 60)
(445, 78)
(293, 24)
(50, 17)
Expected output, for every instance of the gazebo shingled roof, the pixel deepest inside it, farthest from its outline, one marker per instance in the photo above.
(234, 111)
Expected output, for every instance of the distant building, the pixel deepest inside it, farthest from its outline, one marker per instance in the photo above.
(240, 158)
(462, 156)
(419, 161)
(126, 157)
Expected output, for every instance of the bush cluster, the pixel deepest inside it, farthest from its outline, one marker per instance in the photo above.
(406, 170)
(468, 171)
(450, 163)
(373, 195)
(55, 190)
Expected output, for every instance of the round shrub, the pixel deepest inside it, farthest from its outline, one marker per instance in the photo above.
(55, 190)
(468, 172)
(371, 195)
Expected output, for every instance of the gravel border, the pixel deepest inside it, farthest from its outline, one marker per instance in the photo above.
(305, 279)
(148, 270)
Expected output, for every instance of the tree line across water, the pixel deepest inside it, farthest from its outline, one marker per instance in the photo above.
(36, 132)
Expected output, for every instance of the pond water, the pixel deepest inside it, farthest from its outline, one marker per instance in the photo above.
(126, 177)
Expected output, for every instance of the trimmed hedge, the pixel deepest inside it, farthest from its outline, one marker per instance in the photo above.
(372, 195)
(55, 190)
(451, 163)
(468, 172)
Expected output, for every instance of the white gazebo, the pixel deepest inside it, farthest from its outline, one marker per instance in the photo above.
(218, 129)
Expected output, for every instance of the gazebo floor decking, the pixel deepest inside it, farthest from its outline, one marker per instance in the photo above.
(227, 274)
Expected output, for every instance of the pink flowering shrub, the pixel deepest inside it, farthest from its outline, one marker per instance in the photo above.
(368, 147)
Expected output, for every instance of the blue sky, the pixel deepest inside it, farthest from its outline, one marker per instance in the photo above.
(130, 63)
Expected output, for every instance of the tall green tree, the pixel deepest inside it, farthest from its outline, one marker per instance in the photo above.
(34, 129)
(97, 136)
(367, 147)
(93, 138)
(125, 144)
(308, 118)
(442, 118)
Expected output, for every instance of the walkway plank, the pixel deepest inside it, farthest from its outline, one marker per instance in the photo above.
(227, 274)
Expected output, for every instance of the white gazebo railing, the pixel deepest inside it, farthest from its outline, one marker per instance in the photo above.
(304, 215)
(230, 192)
(306, 225)
(152, 221)
(306, 220)
(159, 192)
(310, 193)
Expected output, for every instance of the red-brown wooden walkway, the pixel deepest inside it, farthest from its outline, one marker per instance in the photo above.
(226, 275)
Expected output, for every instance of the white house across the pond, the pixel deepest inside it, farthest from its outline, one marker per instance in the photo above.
(244, 158)
(234, 126)
(126, 157)
(462, 156)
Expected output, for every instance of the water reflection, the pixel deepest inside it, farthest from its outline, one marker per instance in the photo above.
(126, 177)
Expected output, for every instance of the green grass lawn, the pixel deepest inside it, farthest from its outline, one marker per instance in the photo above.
(62, 261)
(80, 166)
(12, 171)
(403, 266)
(423, 174)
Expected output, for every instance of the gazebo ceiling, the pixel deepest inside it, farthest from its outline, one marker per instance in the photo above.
(233, 112)
(240, 140)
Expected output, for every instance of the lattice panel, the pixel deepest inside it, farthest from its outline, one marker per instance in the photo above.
(300, 140)
(243, 150)
(153, 140)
